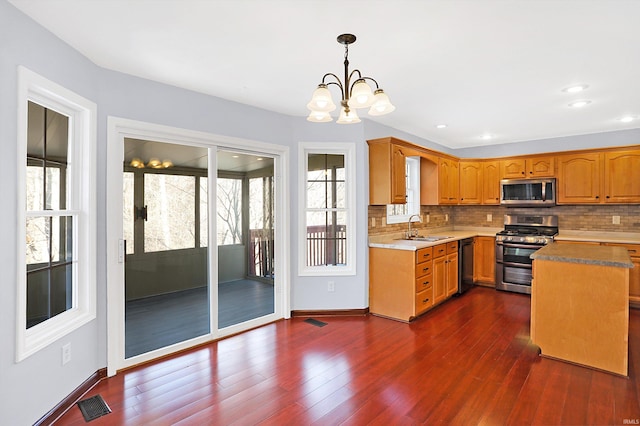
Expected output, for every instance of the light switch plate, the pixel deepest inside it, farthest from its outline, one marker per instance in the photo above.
(616, 220)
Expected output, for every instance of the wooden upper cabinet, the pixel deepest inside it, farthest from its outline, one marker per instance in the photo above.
(513, 168)
(541, 167)
(387, 169)
(398, 175)
(491, 182)
(579, 177)
(622, 177)
(470, 182)
(522, 168)
(448, 181)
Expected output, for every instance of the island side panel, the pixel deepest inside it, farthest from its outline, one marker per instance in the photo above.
(392, 283)
(580, 313)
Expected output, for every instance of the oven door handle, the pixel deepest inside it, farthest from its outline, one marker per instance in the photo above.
(517, 265)
(529, 246)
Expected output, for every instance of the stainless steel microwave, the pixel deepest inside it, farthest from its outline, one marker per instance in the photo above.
(528, 192)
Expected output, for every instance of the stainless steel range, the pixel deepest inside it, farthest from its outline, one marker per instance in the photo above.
(522, 235)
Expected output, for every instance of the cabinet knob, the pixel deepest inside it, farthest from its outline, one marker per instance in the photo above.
(608, 196)
(597, 196)
(425, 300)
(425, 269)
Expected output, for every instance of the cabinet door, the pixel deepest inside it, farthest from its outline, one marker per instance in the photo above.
(513, 168)
(448, 181)
(540, 167)
(439, 279)
(622, 177)
(634, 274)
(579, 178)
(484, 260)
(491, 182)
(470, 182)
(454, 181)
(387, 169)
(452, 274)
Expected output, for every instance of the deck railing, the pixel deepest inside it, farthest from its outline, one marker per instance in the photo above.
(326, 245)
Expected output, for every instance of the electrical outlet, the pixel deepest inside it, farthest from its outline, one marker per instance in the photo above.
(616, 220)
(489, 217)
(446, 218)
(66, 353)
(373, 222)
(427, 219)
(331, 286)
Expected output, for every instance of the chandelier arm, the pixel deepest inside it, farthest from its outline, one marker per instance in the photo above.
(372, 79)
(330, 74)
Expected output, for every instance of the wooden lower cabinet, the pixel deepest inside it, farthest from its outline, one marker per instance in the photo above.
(404, 284)
(587, 327)
(634, 274)
(484, 261)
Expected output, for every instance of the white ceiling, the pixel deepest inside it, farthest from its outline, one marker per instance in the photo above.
(478, 66)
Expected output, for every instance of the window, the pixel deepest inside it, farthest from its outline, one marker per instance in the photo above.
(400, 213)
(172, 226)
(229, 211)
(327, 214)
(56, 294)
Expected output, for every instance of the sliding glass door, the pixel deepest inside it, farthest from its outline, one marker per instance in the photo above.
(165, 229)
(169, 294)
(244, 217)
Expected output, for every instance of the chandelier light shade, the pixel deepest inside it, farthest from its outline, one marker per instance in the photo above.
(354, 95)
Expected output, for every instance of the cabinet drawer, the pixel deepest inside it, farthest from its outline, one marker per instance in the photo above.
(423, 268)
(634, 249)
(423, 283)
(424, 300)
(440, 250)
(424, 254)
(452, 247)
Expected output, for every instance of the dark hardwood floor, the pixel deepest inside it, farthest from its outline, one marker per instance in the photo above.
(467, 362)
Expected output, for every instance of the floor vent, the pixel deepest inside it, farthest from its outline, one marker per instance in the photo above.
(93, 407)
(315, 322)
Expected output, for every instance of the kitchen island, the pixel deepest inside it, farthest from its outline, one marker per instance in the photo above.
(580, 305)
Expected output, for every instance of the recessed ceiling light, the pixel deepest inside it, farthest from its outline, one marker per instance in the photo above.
(486, 137)
(576, 89)
(441, 126)
(259, 159)
(627, 118)
(579, 104)
(234, 156)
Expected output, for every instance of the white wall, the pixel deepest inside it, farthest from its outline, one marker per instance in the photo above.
(31, 388)
(34, 386)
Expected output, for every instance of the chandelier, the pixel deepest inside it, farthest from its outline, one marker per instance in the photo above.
(354, 95)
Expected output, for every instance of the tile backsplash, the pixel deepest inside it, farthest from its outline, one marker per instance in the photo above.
(575, 218)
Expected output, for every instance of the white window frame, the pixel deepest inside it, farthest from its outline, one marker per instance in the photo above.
(349, 151)
(412, 168)
(82, 115)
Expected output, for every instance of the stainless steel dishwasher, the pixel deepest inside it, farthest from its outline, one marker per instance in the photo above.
(465, 265)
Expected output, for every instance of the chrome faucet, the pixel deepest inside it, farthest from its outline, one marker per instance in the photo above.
(410, 232)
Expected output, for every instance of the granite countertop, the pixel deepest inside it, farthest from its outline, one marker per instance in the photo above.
(396, 241)
(598, 236)
(586, 254)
